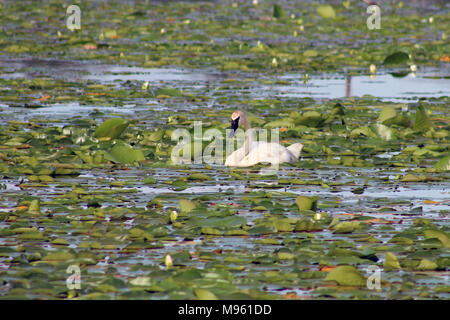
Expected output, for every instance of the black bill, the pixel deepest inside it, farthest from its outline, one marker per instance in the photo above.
(234, 126)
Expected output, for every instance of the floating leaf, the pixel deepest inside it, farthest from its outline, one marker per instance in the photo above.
(391, 262)
(441, 235)
(283, 226)
(310, 53)
(141, 281)
(443, 164)
(186, 205)
(387, 113)
(285, 256)
(326, 12)
(347, 227)
(170, 92)
(278, 11)
(346, 276)
(306, 203)
(410, 178)
(58, 256)
(203, 294)
(122, 153)
(111, 128)
(34, 207)
(199, 176)
(156, 136)
(307, 225)
(211, 231)
(383, 131)
(426, 264)
(396, 58)
(422, 122)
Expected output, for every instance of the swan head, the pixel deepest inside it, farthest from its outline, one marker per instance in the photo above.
(235, 122)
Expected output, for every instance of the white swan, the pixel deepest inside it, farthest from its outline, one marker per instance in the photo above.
(253, 152)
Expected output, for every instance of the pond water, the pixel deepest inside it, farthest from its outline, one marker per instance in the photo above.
(386, 87)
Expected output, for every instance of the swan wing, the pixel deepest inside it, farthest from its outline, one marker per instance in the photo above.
(235, 158)
(274, 153)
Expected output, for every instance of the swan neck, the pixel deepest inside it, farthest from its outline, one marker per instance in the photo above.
(248, 134)
(245, 122)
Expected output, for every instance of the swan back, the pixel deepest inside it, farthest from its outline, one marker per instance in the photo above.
(264, 152)
(295, 149)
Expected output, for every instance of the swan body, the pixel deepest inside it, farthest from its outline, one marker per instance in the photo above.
(254, 152)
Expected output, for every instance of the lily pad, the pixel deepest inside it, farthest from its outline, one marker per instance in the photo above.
(186, 205)
(278, 11)
(391, 262)
(306, 203)
(441, 235)
(422, 122)
(122, 153)
(326, 11)
(346, 276)
(398, 57)
(204, 294)
(443, 164)
(111, 128)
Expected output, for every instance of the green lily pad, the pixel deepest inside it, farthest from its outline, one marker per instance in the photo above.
(396, 58)
(278, 11)
(443, 164)
(170, 92)
(346, 276)
(441, 235)
(111, 128)
(34, 207)
(387, 113)
(203, 294)
(199, 176)
(58, 256)
(186, 205)
(347, 227)
(326, 12)
(306, 203)
(426, 264)
(122, 153)
(422, 122)
(307, 225)
(391, 262)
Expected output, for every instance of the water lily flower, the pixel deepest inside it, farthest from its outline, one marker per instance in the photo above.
(373, 68)
(173, 216)
(305, 78)
(168, 261)
(274, 62)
